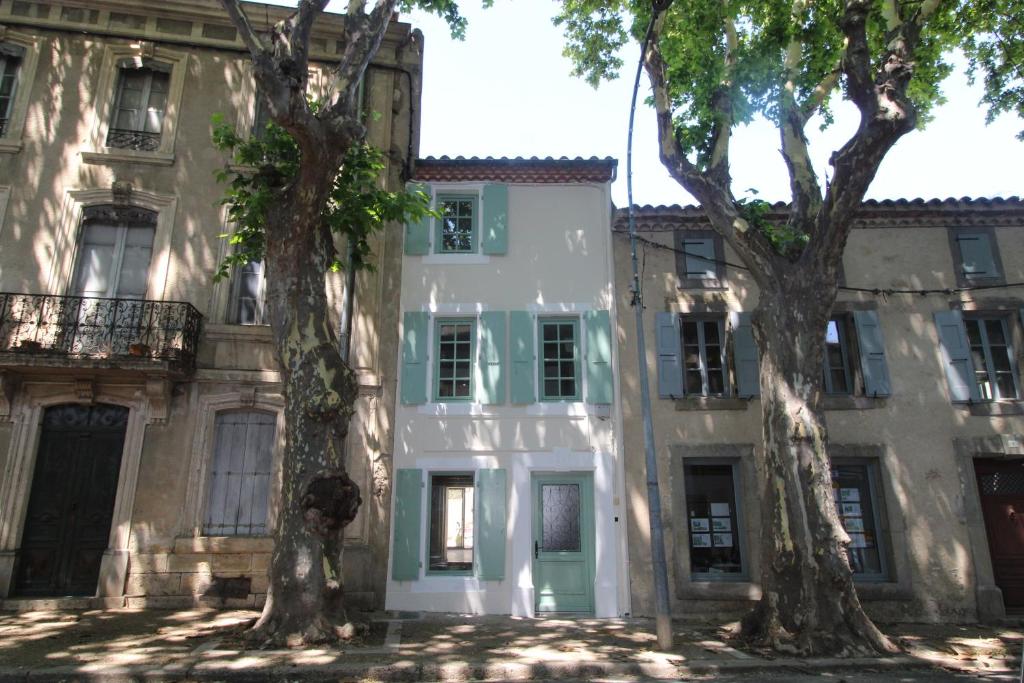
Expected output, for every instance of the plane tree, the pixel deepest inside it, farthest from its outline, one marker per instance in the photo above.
(714, 65)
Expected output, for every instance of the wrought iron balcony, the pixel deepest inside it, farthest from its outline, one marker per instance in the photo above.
(43, 326)
(133, 139)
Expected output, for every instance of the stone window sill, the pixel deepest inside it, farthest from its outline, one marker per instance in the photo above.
(694, 403)
(109, 155)
(224, 544)
(719, 590)
(10, 146)
(995, 408)
(853, 403)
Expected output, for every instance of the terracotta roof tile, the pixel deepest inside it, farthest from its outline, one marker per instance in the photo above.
(885, 213)
(516, 170)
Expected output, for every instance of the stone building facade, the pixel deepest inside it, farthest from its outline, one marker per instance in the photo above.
(923, 406)
(140, 401)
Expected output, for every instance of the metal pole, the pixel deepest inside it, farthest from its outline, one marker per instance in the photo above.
(345, 325)
(658, 564)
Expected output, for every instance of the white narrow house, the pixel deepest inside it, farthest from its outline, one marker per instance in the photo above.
(508, 473)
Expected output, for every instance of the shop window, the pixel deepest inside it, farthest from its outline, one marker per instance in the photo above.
(712, 520)
(857, 501)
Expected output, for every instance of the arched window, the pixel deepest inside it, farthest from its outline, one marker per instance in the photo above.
(239, 487)
(115, 252)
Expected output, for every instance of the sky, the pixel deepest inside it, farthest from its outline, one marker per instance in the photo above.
(506, 90)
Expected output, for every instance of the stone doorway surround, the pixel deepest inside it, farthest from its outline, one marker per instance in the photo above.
(27, 408)
(988, 596)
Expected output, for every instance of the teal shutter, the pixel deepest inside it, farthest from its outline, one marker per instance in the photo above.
(520, 341)
(670, 366)
(745, 360)
(956, 356)
(492, 357)
(417, 233)
(490, 529)
(976, 255)
(414, 357)
(699, 256)
(405, 556)
(599, 356)
(494, 226)
(872, 354)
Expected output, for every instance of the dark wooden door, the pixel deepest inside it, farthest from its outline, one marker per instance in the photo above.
(70, 506)
(1001, 485)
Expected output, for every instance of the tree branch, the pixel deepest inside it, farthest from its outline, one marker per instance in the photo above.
(249, 37)
(363, 35)
(722, 103)
(803, 182)
(711, 190)
(856, 61)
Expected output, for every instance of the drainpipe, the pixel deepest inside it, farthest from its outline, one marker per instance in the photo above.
(345, 325)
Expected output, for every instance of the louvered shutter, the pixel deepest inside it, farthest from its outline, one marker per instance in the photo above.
(491, 524)
(405, 555)
(521, 341)
(414, 357)
(956, 356)
(670, 367)
(417, 233)
(494, 226)
(599, 356)
(492, 357)
(872, 354)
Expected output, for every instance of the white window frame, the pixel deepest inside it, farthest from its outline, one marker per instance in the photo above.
(434, 255)
(116, 57)
(12, 140)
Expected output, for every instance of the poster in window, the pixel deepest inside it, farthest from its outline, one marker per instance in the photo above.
(850, 510)
(700, 524)
(719, 509)
(700, 540)
(858, 541)
(722, 540)
(721, 524)
(853, 523)
(849, 495)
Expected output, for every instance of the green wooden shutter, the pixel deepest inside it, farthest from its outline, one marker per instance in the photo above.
(405, 556)
(520, 341)
(745, 360)
(872, 354)
(417, 233)
(492, 357)
(491, 524)
(494, 226)
(599, 356)
(414, 357)
(956, 356)
(976, 255)
(670, 366)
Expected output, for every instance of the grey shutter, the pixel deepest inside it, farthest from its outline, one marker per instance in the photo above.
(956, 356)
(872, 354)
(670, 367)
(976, 256)
(491, 524)
(417, 233)
(745, 360)
(699, 258)
(492, 357)
(239, 489)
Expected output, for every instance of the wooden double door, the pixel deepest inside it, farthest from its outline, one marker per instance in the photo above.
(71, 502)
(1001, 488)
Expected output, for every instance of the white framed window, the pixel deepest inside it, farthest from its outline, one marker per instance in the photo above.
(451, 523)
(115, 252)
(249, 295)
(140, 105)
(238, 493)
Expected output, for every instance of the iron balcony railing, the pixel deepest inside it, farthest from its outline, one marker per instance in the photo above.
(98, 328)
(133, 139)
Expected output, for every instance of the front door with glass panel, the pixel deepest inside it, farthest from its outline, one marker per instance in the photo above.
(563, 543)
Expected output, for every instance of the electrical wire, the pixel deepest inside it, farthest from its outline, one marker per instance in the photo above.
(877, 291)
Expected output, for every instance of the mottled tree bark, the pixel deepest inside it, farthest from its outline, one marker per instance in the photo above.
(305, 599)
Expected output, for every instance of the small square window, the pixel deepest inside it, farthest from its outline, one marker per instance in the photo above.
(452, 498)
(976, 256)
(704, 360)
(700, 259)
(854, 488)
(455, 344)
(713, 524)
(457, 228)
(560, 359)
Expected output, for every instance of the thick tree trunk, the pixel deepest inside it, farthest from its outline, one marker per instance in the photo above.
(809, 604)
(317, 498)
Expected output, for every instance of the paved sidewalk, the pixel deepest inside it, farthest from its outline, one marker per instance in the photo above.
(205, 644)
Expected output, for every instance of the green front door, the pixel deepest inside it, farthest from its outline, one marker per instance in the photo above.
(563, 543)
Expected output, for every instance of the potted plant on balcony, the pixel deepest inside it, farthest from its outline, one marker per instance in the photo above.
(139, 350)
(30, 345)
